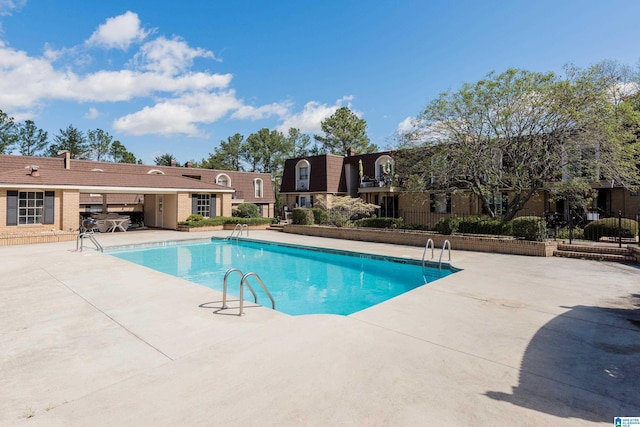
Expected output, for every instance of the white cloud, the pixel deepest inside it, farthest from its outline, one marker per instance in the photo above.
(178, 99)
(308, 120)
(407, 125)
(280, 109)
(92, 114)
(8, 6)
(119, 32)
(168, 56)
(179, 115)
(26, 81)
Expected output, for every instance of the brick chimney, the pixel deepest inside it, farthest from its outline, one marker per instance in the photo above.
(188, 165)
(66, 155)
(173, 163)
(351, 152)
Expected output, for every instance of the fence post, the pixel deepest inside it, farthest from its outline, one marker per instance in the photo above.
(619, 229)
(570, 226)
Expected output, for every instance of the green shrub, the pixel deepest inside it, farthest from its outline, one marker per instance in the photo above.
(529, 228)
(420, 227)
(319, 216)
(448, 225)
(381, 222)
(246, 210)
(249, 221)
(195, 217)
(563, 233)
(302, 216)
(608, 227)
(484, 225)
(220, 220)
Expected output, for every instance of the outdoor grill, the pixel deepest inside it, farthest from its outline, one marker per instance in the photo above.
(88, 224)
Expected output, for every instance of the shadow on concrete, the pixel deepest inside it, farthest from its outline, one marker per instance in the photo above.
(232, 309)
(583, 364)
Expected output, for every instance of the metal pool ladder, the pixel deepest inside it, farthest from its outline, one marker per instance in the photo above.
(238, 228)
(430, 244)
(90, 236)
(243, 282)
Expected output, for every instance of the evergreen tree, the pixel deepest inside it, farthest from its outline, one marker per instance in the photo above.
(31, 140)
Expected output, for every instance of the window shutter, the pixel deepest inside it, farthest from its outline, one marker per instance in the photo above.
(49, 207)
(194, 203)
(213, 205)
(12, 208)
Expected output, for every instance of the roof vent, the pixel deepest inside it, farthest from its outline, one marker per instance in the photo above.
(33, 170)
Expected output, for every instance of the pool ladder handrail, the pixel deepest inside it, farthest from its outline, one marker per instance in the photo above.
(90, 236)
(239, 228)
(244, 281)
(446, 244)
(430, 244)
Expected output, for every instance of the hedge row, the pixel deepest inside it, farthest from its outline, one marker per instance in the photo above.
(193, 221)
(532, 228)
(611, 227)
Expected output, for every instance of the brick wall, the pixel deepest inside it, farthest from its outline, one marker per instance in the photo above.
(418, 238)
(184, 206)
(67, 205)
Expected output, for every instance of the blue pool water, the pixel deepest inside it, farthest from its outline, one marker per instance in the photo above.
(302, 280)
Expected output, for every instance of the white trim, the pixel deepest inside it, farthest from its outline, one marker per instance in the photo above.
(94, 189)
(228, 179)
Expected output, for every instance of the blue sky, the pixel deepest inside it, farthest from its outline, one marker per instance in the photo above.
(178, 77)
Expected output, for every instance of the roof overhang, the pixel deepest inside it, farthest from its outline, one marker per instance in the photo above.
(121, 190)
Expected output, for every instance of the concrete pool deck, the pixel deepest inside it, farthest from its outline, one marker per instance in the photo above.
(88, 339)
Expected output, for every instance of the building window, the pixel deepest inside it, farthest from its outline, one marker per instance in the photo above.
(223, 180)
(30, 207)
(203, 204)
(384, 169)
(440, 203)
(498, 203)
(303, 167)
(303, 173)
(304, 201)
(257, 185)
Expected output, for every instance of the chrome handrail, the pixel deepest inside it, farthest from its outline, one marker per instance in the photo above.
(426, 247)
(224, 288)
(244, 282)
(444, 246)
(239, 228)
(90, 236)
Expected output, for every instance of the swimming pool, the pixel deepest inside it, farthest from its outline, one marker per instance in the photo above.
(302, 280)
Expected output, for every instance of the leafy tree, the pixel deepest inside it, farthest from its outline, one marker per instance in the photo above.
(8, 136)
(341, 210)
(344, 130)
(99, 144)
(299, 142)
(119, 153)
(31, 140)
(519, 131)
(265, 151)
(164, 159)
(227, 156)
(70, 139)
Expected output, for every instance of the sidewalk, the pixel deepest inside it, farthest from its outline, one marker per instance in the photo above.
(88, 339)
